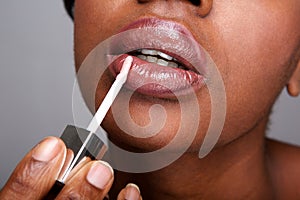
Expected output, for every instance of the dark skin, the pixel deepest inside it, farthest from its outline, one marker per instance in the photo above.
(248, 42)
(265, 25)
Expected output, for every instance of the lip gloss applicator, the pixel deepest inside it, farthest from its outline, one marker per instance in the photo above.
(84, 142)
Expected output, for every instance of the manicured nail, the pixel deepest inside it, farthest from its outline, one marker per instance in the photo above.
(132, 192)
(100, 174)
(46, 150)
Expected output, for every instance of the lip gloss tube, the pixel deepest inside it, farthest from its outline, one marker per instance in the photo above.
(84, 142)
(73, 138)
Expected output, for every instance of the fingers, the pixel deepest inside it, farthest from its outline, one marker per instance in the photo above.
(91, 181)
(37, 172)
(82, 163)
(130, 192)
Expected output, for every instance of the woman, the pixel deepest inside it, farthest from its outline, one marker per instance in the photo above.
(256, 46)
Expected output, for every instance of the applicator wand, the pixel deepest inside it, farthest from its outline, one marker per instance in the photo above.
(92, 146)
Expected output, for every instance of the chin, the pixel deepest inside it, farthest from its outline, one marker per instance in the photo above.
(130, 126)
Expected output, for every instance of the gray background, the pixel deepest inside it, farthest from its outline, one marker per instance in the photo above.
(37, 76)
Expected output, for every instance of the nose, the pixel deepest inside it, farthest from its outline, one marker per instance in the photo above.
(203, 6)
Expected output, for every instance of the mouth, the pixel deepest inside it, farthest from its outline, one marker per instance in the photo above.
(167, 61)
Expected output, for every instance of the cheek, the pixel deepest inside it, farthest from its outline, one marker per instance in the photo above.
(90, 26)
(257, 38)
(97, 20)
(256, 43)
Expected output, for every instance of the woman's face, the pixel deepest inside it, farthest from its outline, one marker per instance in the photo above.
(253, 43)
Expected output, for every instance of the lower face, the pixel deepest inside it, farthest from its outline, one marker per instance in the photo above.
(252, 43)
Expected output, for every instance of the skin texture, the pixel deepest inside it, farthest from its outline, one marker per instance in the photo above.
(261, 23)
(256, 46)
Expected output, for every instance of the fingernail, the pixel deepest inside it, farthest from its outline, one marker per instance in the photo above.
(132, 192)
(46, 150)
(100, 174)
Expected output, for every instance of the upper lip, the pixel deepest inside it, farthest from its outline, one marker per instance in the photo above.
(162, 35)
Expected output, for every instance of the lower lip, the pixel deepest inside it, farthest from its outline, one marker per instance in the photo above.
(158, 81)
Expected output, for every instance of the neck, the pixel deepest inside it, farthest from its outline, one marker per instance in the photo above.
(235, 171)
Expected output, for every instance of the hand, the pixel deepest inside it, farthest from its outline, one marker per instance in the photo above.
(36, 173)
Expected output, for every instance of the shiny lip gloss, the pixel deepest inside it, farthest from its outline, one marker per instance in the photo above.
(150, 78)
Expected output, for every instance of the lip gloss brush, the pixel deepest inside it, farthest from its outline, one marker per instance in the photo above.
(92, 146)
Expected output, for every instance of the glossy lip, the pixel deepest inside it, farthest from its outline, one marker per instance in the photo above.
(152, 79)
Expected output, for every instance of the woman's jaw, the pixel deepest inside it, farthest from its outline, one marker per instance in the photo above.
(250, 91)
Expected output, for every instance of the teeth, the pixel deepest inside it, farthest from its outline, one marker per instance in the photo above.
(149, 56)
(172, 64)
(149, 52)
(162, 62)
(151, 59)
(155, 53)
(142, 57)
(163, 55)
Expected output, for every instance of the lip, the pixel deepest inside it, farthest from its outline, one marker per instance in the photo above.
(150, 78)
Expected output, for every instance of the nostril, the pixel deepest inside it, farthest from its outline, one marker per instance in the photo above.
(143, 1)
(196, 2)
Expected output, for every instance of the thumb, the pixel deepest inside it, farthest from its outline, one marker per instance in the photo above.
(37, 172)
